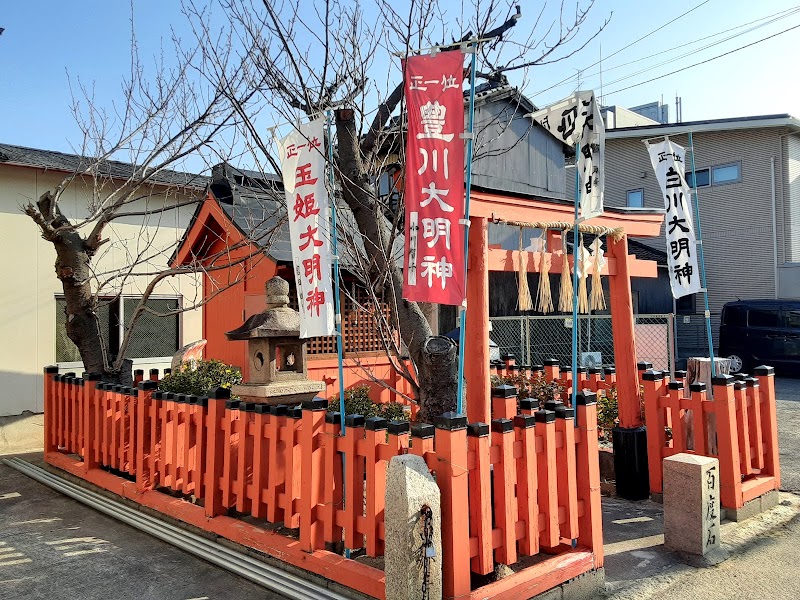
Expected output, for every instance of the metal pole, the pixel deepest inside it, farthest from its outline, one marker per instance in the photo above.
(575, 259)
(671, 343)
(337, 291)
(473, 45)
(701, 258)
(335, 244)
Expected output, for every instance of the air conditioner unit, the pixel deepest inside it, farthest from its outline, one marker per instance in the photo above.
(591, 359)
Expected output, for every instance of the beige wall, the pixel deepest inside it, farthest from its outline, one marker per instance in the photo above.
(736, 218)
(29, 285)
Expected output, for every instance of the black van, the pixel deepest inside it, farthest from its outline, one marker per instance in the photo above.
(760, 332)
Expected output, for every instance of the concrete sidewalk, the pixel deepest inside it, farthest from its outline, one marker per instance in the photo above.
(638, 567)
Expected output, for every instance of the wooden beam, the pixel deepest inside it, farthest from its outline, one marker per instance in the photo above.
(530, 210)
(508, 260)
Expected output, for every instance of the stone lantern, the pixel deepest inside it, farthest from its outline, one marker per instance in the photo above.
(276, 354)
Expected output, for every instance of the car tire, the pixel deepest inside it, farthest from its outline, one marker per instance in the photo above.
(737, 363)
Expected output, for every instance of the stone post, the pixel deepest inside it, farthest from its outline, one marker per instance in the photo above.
(410, 487)
(691, 508)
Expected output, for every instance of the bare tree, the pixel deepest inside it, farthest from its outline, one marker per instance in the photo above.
(256, 63)
(345, 56)
(159, 122)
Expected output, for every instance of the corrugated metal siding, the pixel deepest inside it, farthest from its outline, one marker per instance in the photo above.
(513, 155)
(736, 218)
(791, 196)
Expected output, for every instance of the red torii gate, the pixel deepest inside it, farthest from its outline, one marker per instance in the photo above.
(620, 267)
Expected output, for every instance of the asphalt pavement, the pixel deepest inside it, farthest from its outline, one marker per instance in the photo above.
(787, 393)
(52, 547)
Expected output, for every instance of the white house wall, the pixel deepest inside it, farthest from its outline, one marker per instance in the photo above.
(29, 285)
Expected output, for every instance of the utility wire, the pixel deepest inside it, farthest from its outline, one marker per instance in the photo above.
(762, 22)
(702, 62)
(772, 19)
(690, 53)
(644, 37)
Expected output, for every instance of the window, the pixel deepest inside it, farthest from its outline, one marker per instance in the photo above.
(723, 174)
(153, 335)
(764, 317)
(793, 319)
(703, 178)
(685, 305)
(635, 198)
(736, 316)
(388, 192)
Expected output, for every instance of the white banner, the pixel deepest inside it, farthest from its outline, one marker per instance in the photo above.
(669, 164)
(303, 168)
(578, 119)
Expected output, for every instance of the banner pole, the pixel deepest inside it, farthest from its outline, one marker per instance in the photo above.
(701, 259)
(335, 244)
(462, 324)
(336, 302)
(575, 259)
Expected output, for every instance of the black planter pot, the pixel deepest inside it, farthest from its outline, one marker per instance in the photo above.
(630, 463)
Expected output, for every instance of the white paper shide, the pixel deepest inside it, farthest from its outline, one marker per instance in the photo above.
(669, 163)
(303, 170)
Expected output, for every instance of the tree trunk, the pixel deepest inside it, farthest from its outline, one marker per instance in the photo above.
(438, 390)
(73, 261)
(358, 192)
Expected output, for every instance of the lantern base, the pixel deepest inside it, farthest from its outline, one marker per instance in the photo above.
(290, 392)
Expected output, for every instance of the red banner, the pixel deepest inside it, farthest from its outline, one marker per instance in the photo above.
(434, 186)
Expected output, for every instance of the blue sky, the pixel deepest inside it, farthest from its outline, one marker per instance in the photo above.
(90, 39)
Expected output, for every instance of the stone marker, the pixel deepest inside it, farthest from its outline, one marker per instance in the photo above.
(691, 508)
(410, 488)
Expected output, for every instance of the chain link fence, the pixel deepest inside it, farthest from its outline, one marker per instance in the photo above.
(532, 339)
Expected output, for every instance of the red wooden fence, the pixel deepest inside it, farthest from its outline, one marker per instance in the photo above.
(738, 426)
(524, 485)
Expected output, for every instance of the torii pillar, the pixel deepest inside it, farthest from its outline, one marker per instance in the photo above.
(476, 333)
(630, 437)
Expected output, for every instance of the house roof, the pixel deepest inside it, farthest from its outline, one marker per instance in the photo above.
(259, 213)
(51, 160)
(755, 122)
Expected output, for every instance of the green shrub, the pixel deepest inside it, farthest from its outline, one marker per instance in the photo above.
(200, 377)
(607, 412)
(535, 386)
(358, 402)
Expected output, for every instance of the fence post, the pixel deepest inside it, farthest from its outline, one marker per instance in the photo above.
(652, 381)
(567, 480)
(215, 450)
(334, 498)
(504, 402)
(547, 492)
(89, 398)
(480, 497)
(49, 409)
(587, 469)
(551, 370)
(453, 480)
(311, 534)
(505, 508)
(527, 503)
(144, 446)
(769, 421)
(730, 484)
(743, 428)
(354, 481)
(376, 481)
